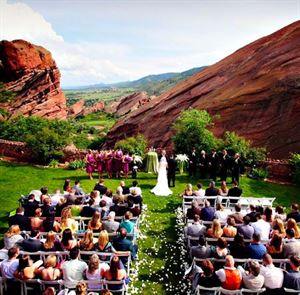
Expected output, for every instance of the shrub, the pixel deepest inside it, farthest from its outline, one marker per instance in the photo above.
(81, 141)
(77, 164)
(53, 163)
(6, 95)
(259, 173)
(295, 162)
(134, 145)
(96, 143)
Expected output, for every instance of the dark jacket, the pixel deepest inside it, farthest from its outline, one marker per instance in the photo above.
(31, 245)
(235, 192)
(22, 221)
(101, 188)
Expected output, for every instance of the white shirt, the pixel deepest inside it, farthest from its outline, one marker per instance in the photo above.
(137, 189)
(96, 276)
(8, 268)
(222, 215)
(273, 276)
(200, 192)
(55, 199)
(108, 201)
(73, 272)
(262, 228)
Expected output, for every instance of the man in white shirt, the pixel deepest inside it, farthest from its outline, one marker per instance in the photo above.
(196, 229)
(273, 275)
(73, 270)
(261, 227)
(252, 279)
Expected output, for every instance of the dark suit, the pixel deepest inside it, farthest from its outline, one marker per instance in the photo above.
(235, 192)
(203, 162)
(236, 169)
(123, 244)
(22, 221)
(31, 245)
(294, 215)
(192, 164)
(214, 166)
(172, 165)
(30, 208)
(224, 166)
(211, 192)
(101, 188)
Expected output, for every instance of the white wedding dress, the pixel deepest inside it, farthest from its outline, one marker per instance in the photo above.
(162, 188)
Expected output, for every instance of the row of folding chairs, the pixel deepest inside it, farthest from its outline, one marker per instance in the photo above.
(26, 286)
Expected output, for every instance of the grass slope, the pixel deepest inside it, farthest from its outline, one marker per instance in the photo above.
(160, 270)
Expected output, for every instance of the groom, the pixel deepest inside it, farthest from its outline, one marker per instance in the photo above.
(172, 166)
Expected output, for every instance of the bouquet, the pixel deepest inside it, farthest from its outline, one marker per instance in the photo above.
(182, 159)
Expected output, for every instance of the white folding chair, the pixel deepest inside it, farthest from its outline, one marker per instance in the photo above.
(201, 289)
(253, 292)
(223, 291)
(292, 291)
(109, 286)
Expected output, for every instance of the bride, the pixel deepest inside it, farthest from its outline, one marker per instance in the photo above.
(162, 188)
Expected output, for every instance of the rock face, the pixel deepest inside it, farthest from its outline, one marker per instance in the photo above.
(30, 72)
(78, 108)
(256, 92)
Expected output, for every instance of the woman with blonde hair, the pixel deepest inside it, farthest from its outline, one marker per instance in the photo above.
(51, 272)
(103, 244)
(95, 224)
(188, 190)
(12, 236)
(36, 222)
(95, 271)
(87, 243)
(230, 229)
(221, 213)
(216, 230)
(52, 243)
(67, 220)
(292, 224)
(278, 228)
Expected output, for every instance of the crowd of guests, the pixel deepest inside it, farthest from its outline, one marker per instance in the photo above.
(260, 234)
(42, 212)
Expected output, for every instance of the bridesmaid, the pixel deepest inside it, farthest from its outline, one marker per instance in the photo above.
(90, 162)
(118, 162)
(109, 162)
(126, 161)
(100, 162)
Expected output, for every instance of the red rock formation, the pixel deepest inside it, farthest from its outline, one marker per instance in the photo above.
(78, 108)
(30, 72)
(256, 92)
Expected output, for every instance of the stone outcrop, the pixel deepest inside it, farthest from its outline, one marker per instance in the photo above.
(30, 72)
(79, 108)
(255, 90)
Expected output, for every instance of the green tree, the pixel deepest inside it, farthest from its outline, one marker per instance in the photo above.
(192, 131)
(135, 145)
(295, 162)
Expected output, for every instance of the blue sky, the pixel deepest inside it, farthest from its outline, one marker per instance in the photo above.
(109, 41)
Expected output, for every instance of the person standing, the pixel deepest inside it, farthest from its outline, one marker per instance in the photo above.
(90, 162)
(193, 163)
(213, 164)
(224, 165)
(127, 159)
(118, 157)
(236, 168)
(203, 162)
(172, 165)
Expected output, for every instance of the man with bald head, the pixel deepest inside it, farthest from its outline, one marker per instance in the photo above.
(230, 277)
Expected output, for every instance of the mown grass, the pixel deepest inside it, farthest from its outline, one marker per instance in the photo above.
(159, 251)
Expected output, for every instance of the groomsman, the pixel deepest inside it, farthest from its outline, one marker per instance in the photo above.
(236, 168)
(224, 165)
(203, 161)
(172, 166)
(193, 162)
(214, 164)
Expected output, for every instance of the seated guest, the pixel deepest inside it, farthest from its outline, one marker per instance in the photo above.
(32, 244)
(119, 206)
(50, 224)
(121, 243)
(110, 225)
(67, 186)
(220, 250)
(30, 206)
(261, 227)
(135, 187)
(135, 198)
(291, 246)
(246, 230)
(12, 237)
(278, 228)
(50, 272)
(252, 213)
(273, 275)
(133, 208)
(235, 191)
(27, 268)
(60, 206)
(216, 230)
(292, 224)
(68, 242)
(275, 246)
(256, 250)
(47, 208)
(188, 190)
(292, 278)
(19, 219)
(78, 191)
(223, 191)
(237, 215)
(202, 250)
(87, 242)
(237, 247)
(52, 243)
(279, 213)
(127, 224)
(9, 266)
(211, 190)
(88, 210)
(115, 273)
(230, 230)
(194, 210)
(36, 222)
(268, 214)
(252, 279)
(208, 212)
(55, 198)
(103, 244)
(67, 221)
(103, 209)
(73, 269)
(95, 195)
(221, 213)
(196, 229)
(95, 224)
(295, 214)
(125, 189)
(200, 192)
(230, 277)
(95, 272)
(100, 187)
(107, 197)
(44, 195)
(208, 277)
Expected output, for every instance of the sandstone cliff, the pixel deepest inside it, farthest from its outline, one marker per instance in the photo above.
(256, 92)
(30, 72)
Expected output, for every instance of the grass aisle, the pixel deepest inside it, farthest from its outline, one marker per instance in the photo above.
(160, 267)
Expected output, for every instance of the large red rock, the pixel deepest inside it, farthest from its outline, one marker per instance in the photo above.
(79, 108)
(30, 72)
(255, 90)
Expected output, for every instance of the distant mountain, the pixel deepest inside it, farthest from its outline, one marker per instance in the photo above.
(152, 84)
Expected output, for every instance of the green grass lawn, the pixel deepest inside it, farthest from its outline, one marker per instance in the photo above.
(160, 270)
